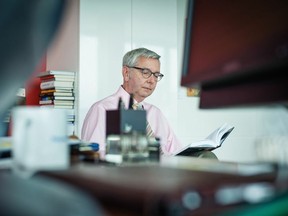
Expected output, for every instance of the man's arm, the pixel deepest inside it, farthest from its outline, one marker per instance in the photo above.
(94, 127)
(162, 129)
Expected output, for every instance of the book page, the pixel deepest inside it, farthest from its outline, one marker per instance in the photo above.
(213, 141)
(203, 143)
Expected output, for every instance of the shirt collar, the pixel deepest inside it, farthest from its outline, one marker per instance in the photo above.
(125, 96)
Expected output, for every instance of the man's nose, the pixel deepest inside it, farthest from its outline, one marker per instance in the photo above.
(152, 79)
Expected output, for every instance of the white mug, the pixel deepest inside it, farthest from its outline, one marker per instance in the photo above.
(39, 140)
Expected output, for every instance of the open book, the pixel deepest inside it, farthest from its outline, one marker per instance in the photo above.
(213, 141)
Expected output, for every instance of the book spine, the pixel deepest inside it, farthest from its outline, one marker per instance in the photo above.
(57, 94)
(47, 85)
(56, 78)
(56, 90)
(53, 97)
(45, 102)
(58, 106)
(52, 72)
(53, 84)
(68, 102)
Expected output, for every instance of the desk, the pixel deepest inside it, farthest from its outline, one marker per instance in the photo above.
(175, 186)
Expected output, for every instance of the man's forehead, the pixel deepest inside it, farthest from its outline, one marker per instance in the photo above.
(149, 61)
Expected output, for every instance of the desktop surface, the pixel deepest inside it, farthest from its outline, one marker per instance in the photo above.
(174, 186)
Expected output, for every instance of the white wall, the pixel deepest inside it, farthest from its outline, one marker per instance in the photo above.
(105, 35)
(110, 28)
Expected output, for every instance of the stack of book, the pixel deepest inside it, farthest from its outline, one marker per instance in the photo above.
(57, 91)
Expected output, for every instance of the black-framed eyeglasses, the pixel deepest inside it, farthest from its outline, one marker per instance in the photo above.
(146, 73)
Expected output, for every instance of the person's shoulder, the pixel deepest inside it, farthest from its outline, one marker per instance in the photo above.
(109, 102)
(106, 103)
(151, 107)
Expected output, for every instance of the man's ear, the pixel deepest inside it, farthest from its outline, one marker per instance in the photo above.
(125, 73)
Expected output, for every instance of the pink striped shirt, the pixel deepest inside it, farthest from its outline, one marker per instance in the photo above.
(94, 126)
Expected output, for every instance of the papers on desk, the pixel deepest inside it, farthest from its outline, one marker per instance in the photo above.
(5, 147)
(5, 152)
(6, 144)
(83, 146)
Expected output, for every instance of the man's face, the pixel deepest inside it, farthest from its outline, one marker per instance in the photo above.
(136, 84)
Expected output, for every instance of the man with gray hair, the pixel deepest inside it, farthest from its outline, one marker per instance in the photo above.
(141, 73)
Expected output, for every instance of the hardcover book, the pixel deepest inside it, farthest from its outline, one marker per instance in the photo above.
(211, 142)
(53, 84)
(56, 72)
(56, 102)
(56, 94)
(57, 89)
(57, 106)
(57, 78)
(52, 97)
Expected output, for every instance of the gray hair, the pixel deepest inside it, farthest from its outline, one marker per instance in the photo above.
(130, 58)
